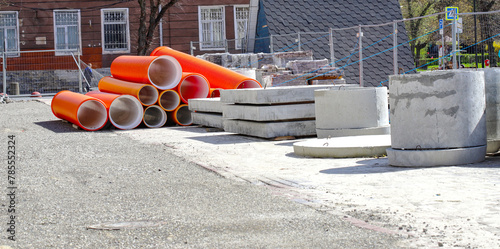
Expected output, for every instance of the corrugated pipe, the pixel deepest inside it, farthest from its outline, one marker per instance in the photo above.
(218, 76)
(146, 94)
(193, 85)
(124, 111)
(87, 112)
(154, 117)
(163, 72)
(169, 100)
(181, 115)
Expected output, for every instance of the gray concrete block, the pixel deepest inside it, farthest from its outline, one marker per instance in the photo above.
(268, 112)
(439, 109)
(270, 129)
(205, 105)
(437, 118)
(274, 95)
(492, 89)
(207, 119)
(351, 108)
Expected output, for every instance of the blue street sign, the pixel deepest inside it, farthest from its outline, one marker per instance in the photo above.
(441, 24)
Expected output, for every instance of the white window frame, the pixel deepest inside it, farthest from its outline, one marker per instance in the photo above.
(212, 43)
(127, 24)
(237, 39)
(16, 30)
(67, 51)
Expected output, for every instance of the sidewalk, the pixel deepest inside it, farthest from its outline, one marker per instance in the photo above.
(455, 206)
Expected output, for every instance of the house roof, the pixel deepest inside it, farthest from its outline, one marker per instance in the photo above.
(290, 16)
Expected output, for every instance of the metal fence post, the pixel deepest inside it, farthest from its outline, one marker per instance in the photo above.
(271, 44)
(454, 42)
(332, 52)
(191, 47)
(360, 47)
(395, 48)
(4, 72)
(298, 37)
(80, 88)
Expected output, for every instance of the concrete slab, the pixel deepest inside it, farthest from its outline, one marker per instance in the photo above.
(271, 129)
(341, 147)
(269, 112)
(439, 157)
(205, 105)
(325, 133)
(275, 95)
(208, 119)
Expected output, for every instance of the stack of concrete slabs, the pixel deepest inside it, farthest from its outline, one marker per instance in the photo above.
(271, 112)
(206, 112)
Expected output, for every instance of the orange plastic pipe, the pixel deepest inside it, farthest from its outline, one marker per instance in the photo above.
(169, 100)
(215, 92)
(146, 94)
(181, 115)
(154, 116)
(163, 72)
(193, 85)
(87, 112)
(124, 111)
(218, 76)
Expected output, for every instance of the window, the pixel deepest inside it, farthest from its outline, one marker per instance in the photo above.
(115, 31)
(67, 31)
(212, 27)
(9, 38)
(240, 25)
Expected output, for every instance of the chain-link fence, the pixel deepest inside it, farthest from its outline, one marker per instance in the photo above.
(26, 72)
(368, 54)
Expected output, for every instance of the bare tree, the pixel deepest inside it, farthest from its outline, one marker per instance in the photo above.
(155, 10)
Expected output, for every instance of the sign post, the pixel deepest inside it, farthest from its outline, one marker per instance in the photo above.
(452, 14)
(441, 49)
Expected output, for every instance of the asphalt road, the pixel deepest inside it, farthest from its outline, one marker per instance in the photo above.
(78, 189)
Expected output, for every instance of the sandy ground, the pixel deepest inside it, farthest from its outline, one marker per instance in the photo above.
(457, 206)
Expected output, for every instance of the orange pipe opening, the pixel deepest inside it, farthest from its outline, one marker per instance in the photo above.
(218, 76)
(181, 115)
(193, 85)
(124, 111)
(169, 100)
(163, 72)
(215, 92)
(146, 94)
(154, 117)
(87, 112)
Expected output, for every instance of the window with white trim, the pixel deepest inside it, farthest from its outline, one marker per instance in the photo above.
(212, 27)
(241, 14)
(115, 31)
(67, 31)
(9, 35)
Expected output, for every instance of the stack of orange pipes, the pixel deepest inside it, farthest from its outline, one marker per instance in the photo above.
(162, 84)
